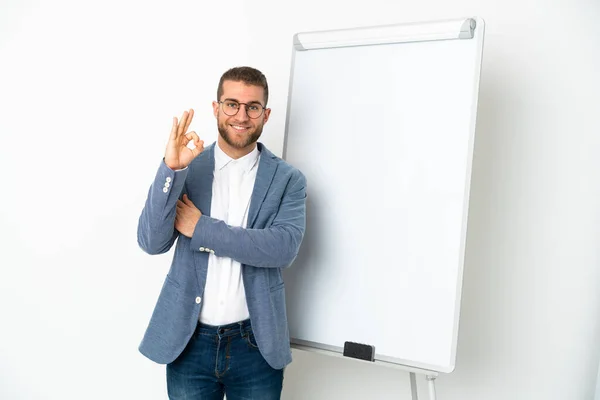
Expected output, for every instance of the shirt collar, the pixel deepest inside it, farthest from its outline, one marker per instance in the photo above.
(246, 162)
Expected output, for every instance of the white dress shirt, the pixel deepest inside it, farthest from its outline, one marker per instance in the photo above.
(224, 298)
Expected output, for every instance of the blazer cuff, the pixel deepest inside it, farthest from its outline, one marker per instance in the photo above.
(167, 187)
(201, 239)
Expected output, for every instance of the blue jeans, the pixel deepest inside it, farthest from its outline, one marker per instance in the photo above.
(222, 360)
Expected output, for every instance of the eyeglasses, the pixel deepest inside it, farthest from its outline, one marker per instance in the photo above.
(232, 107)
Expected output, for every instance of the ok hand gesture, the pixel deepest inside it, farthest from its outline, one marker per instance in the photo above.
(178, 155)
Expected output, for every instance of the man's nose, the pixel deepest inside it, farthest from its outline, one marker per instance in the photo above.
(242, 114)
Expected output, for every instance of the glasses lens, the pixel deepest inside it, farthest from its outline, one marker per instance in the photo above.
(254, 110)
(230, 107)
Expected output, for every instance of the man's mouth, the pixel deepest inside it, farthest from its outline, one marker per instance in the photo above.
(239, 128)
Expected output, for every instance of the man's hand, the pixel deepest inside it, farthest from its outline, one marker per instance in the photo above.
(187, 216)
(178, 155)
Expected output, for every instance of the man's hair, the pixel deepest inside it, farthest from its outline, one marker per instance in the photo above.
(248, 75)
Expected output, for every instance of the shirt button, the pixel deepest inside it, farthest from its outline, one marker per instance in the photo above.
(201, 248)
(168, 179)
(165, 189)
(198, 300)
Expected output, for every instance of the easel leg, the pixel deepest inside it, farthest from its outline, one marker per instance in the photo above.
(413, 386)
(431, 384)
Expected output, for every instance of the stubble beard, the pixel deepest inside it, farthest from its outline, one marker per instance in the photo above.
(247, 141)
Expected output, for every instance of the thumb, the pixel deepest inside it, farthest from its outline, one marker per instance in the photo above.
(187, 200)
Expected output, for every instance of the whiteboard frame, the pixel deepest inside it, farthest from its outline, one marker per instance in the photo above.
(477, 26)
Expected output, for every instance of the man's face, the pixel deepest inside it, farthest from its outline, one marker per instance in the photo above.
(240, 131)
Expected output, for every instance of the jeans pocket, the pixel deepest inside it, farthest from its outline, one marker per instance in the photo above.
(276, 287)
(251, 340)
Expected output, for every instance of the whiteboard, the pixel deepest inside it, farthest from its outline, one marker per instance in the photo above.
(383, 130)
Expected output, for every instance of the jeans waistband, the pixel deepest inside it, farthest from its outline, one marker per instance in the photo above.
(241, 327)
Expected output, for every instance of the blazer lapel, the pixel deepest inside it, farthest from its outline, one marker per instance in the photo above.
(264, 176)
(203, 179)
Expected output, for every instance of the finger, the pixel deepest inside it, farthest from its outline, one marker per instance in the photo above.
(189, 120)
(199, 148)
(182, 123)
(173, 135)
(187, 201)
(192, 136)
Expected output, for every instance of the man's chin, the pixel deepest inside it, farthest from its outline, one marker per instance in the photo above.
(238, 140)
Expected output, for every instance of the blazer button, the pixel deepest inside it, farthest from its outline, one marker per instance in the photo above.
(168, 179)
(201, 249)
(198, 300)
(165, 190)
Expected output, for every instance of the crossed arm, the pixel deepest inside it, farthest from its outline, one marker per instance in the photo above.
(273, 246)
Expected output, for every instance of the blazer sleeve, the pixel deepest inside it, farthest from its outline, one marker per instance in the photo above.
(275, 246)
(156, 226)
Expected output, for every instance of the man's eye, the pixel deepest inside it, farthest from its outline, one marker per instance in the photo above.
(232, 105)
(253, 107)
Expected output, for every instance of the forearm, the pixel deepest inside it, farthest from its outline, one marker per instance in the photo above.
(156, 233)
(273, 247)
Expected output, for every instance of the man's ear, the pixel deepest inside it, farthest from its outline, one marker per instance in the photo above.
(267, 114)
(215, 109)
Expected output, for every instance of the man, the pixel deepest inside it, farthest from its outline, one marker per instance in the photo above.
(238, 215)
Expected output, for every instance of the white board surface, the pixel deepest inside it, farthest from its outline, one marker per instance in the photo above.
(384, 134)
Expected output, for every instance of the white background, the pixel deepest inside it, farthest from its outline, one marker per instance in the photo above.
(87, 92)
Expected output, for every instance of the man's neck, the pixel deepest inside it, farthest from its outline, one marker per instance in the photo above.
(232, 151)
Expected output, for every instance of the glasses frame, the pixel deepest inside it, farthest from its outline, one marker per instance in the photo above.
(263, 108)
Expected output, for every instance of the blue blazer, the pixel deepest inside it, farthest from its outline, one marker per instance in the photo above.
(275, 228)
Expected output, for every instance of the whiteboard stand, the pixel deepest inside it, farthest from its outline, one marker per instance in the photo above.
(413, 386)
(430, 376)
(431, 384)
